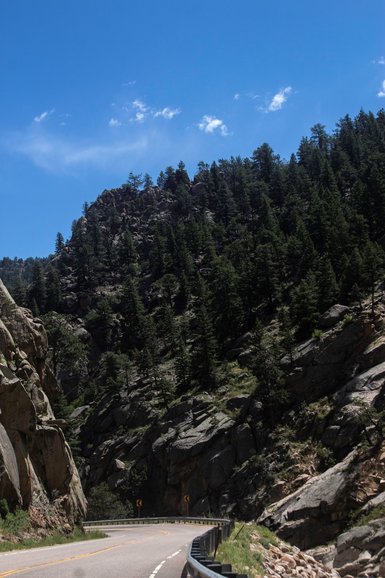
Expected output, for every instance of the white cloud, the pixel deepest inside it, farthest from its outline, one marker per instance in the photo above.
(114, 122)
(236, 96)
(381, 60)
(139, 105)
(43, 115)
(381, 94)
(167, 112)
(129, 83)
(279, 99)
(210, 124)
(142, 110)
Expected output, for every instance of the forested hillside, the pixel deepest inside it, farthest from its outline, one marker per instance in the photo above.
(182, 268)
(177, 313)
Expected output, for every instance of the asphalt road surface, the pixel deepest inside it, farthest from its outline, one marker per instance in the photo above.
(145, 551)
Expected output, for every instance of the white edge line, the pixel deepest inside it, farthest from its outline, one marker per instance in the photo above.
(175, 554)
(155, 572)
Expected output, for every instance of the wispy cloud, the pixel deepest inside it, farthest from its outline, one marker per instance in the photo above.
(114, 122)
(381, 94)
(279, 99)
(210, 124)
(236, 96)
(43, 115)
(167, 112)
(380, 60)
(129, 83)
(253, 95)
(57, 155)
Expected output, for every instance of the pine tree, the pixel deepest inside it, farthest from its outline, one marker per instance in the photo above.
(373, 267)
(54, 294)
(304, 304)
(328, 289)
(204, 356)
(38, 293)
(182, 366)
(19, 292)
(59, 244)
(133, 323)
(226, 303)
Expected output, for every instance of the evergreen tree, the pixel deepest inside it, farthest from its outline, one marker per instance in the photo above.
(182, 366)
(204, 355)
(19, 292)
(133, 323)
(328, 289)
(226, 303)
(38, 293)
(53, 290)
(373, 267)
(59, 244)
(304, 304)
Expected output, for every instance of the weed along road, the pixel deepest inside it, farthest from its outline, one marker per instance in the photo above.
(145, 551)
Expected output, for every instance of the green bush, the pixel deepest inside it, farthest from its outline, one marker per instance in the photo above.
(317, 334)
(103, 504)
(15, 523)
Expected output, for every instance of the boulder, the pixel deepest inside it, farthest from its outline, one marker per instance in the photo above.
(332, 316)
(316, 512)
(358, 549)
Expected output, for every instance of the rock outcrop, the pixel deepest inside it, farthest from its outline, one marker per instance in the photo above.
(361, 550)
(37, 471)
(317, 511)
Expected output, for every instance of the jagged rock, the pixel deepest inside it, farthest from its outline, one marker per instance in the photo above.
(191, 440)
(344, 426)
(324, 364)
(79, 411)
(374, 353)
(378, 500)
(9, 477)
(333, 315)
(316, 512)
(243, 442)
(37, 469)
(359, 549)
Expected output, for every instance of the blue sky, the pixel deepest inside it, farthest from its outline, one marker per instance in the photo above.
(94, 89)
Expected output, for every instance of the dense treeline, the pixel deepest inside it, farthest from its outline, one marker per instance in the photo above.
(178, 270)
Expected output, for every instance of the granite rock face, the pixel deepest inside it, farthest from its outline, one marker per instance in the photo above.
(37, 471)
(318, 510)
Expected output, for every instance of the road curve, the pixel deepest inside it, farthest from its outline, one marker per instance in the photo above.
(145, 551)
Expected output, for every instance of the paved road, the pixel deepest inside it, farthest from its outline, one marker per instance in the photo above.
(145, 551)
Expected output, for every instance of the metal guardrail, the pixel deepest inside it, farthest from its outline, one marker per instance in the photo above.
(200, 563)
(159, 520)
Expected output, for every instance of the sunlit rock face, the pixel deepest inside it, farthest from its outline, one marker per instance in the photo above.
(37, 471)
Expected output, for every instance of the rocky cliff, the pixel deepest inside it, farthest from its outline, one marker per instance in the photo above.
(318, 469)
(37, 471)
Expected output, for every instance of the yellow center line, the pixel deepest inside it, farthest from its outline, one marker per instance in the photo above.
(64, 560)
